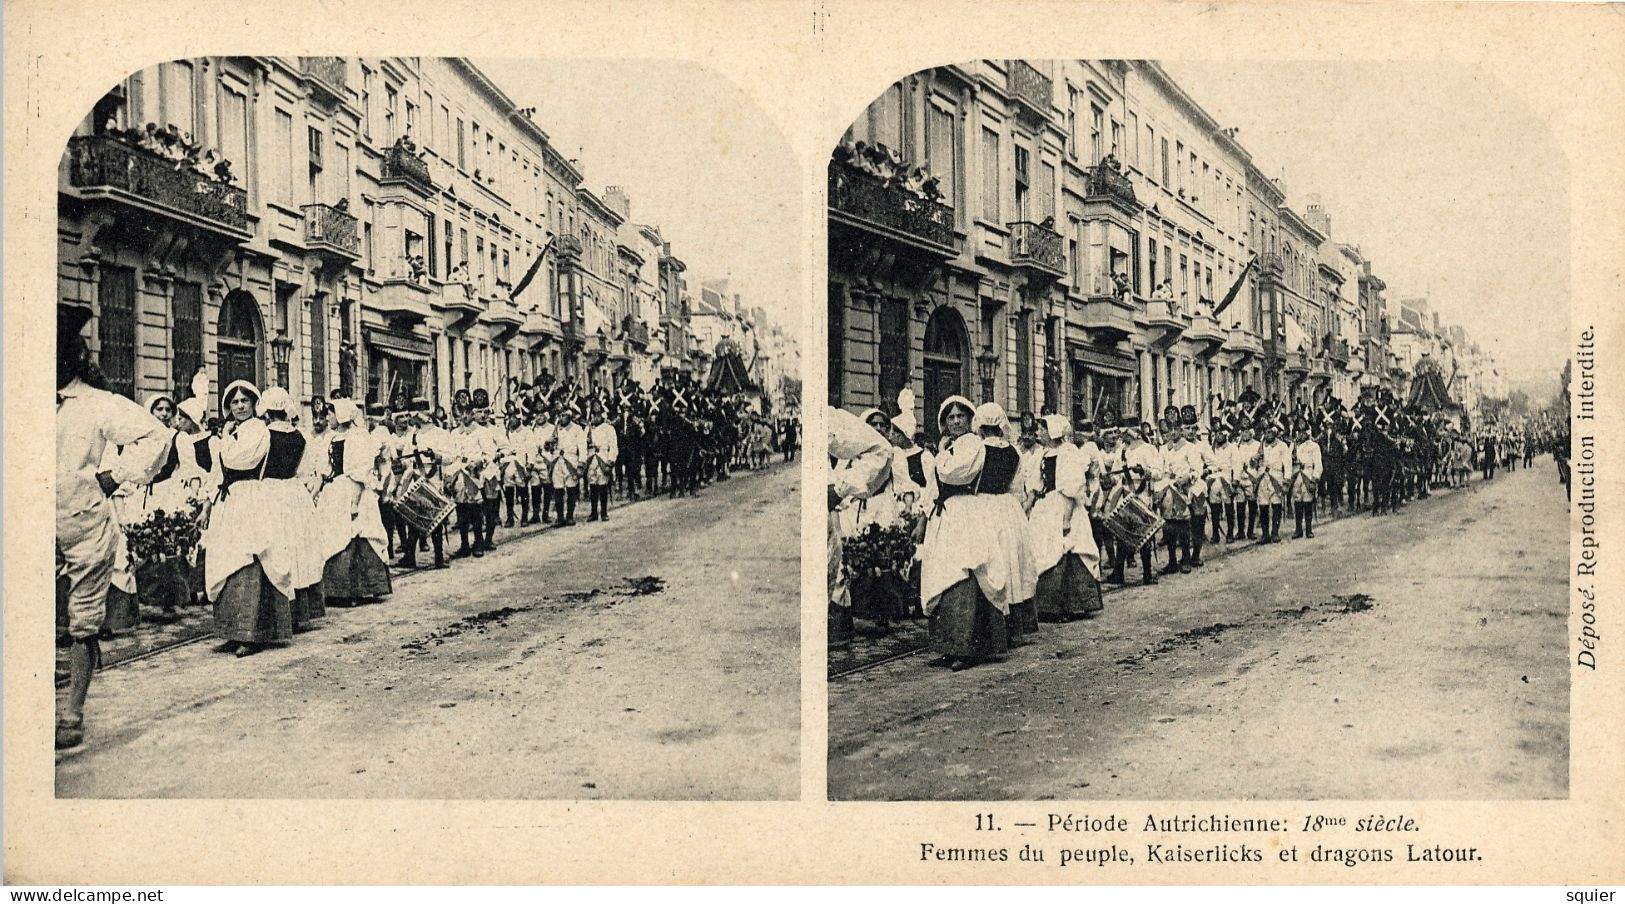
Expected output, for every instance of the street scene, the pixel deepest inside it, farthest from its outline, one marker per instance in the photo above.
(640, 658)
(387, 434)
(1149, 481)
(1285, 672)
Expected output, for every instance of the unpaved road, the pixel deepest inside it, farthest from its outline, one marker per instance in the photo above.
(652, 657)
(1418, 656)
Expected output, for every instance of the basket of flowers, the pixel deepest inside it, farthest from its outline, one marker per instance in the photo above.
(160, 550)
(875, 564)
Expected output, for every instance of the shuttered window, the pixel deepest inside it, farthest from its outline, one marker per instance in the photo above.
(188, 334)
(115, 329)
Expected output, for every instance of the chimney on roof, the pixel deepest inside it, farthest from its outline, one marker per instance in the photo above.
(1317, 217)
(616, 199)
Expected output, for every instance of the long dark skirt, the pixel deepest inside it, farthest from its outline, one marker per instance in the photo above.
(840, 623)
(122, 612)
(964, 625)
(881, 598)
(1067, 590)
(1023, 618)
(355, 573)
(309, 604)
(250, 610)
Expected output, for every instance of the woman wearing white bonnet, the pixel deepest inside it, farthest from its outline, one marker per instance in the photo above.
(1064, 550)
(295, 509)
(914, 479)
(860, 464)
(347, 507)
(249, 566)
(975, 562)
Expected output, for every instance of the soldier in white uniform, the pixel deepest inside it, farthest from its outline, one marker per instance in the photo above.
(1272, 484)
(603, 449)
(1306, 472)
(572, 449)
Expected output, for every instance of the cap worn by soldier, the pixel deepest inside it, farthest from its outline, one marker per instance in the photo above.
(481, 400)
(1187, 416)
(461, 400)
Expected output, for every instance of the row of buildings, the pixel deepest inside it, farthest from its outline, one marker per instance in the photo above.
(1082, 237)
(387, 228)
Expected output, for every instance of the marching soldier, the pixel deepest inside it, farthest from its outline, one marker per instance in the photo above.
(571, 442)
(1306, 471)
(423, 446)
(468, 454)
(491, 477)
(603, 449)
(1274, 466)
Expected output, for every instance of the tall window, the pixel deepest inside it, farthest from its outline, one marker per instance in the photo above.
(391, 102)
(1072, 122)
(1165, 164)
(115, 328)
(313, 143)
(1097, 124)
(366, 102)
(283, 156)
(1179, 165)
(990, 174)
(892, 350)
(187, 333)
(1151, 251)
(1133, 149)
(462, 157)
(886, 118)
(1024, 362)
(341, 155)
(447, 234)
(942, 148)
(234, 129)
(1117, 139)
(179, 96)
(1022, 168)
(1046, 192)
(318, 345)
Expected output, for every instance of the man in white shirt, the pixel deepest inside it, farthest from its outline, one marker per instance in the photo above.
(1272, 488)
(88, 419)
(1242, 452)
(572, 449)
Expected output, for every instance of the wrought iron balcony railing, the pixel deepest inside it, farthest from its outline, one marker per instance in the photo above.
(103, 165)
(330, 71)
(329, 228)
(401, 164)
(1270, 262)
(636, 330)
(1110, 183)
(1031, 87)
(1035, 245)
(888, 207)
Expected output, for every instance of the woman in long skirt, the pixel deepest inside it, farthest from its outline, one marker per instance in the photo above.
(347, 508)
(249, 566)
(294, 506)
(975, 563)
(859, 471)
(1063, 539)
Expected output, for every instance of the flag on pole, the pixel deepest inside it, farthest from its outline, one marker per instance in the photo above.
(1231, 295)
(531, 273)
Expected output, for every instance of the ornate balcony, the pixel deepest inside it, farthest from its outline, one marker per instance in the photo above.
(503, 315)
(1269, 262)
(1296, 363)
(880, 208)
(403, 166)
(1244, 343)
(637, 332)
(1037, 247)
(1204, 332)
(331, 233)
(1339, 352)
(1031, 88)
(1110, 317)
(327, 75)
(1110, 184)
(570, 334)
(108, 168)
(1163, 321)
(461, 302)
(402, 300)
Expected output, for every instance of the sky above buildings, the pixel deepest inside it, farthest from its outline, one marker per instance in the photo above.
(698, 158)
(1448, 181)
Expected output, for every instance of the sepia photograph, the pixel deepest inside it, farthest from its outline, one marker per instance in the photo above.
(427, 428)
(1198, 430)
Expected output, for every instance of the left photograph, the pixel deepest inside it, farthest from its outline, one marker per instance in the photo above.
(428, 428)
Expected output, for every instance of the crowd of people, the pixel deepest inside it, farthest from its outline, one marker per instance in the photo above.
(997, 526)
(273, 522)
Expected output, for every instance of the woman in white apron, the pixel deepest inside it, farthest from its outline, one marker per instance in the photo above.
(249, 567)
(347, 509)
(295, 508)
(859, 470)
(1063, 539)
(976, 565)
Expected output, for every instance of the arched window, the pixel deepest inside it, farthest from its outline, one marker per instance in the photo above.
(241, 339)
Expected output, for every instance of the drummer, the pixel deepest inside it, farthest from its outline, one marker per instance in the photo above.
(422, 446)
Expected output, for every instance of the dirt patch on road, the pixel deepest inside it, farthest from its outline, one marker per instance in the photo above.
(1339, 604)
(479, 624)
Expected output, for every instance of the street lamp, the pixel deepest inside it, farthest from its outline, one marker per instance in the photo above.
(987, 364)
(281, 348)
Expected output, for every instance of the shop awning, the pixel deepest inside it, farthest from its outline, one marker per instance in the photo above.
(400, 345)
(1110, 362)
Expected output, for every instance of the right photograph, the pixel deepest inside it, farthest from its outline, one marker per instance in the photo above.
(1198, 431)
